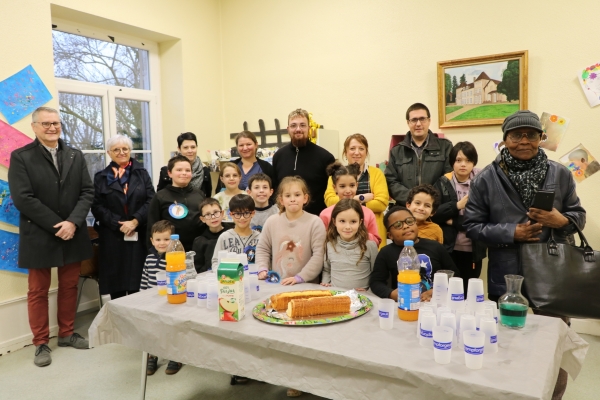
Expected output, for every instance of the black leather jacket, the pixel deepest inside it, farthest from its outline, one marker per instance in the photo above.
(495, 208)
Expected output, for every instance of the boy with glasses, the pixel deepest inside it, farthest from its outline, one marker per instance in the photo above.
(401, 225)
(420, 158)
(211, 214)
(241, 239)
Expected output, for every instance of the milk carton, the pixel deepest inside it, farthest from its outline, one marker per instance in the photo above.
(231, 290)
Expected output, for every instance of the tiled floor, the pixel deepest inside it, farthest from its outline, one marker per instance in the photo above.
(113, 372)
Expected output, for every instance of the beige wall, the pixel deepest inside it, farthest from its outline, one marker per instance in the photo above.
(190, 65)
(357, 65)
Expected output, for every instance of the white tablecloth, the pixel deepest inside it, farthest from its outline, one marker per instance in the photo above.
(352, 360)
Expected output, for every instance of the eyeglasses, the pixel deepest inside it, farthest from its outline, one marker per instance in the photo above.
(124, 150)
(410, 221)
(302, 125)
(214, 215)
(414, 121)
(518, 136)
(245, 214)
(47, 125)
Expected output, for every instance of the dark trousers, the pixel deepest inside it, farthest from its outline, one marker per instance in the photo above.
(467, 268)
(37, 301)
(116, 295)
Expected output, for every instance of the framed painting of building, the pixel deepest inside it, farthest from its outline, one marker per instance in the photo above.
(481, 90)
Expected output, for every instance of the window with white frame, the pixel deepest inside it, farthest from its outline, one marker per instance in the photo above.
(107, 84)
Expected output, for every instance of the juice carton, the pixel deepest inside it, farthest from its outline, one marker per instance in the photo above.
(231, 290)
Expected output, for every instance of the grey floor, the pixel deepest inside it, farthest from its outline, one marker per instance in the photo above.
(113, 371)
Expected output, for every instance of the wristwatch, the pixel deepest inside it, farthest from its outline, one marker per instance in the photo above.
(361, 198)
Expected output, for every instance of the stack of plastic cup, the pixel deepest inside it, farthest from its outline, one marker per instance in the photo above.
(494, 306)
(254, 288)
(475, 295)
(467, 323)
(440, 311)
(386, 313)
(212, 298)
(426, 326)
(426, 307)
(449, 320)
(478, 316)
(458, 314)
(161, 283)
(202, 289)
(192, 287)
(442, 344)
(440, 289)
(488, 326)
(456, 294)
(247, 287)
(474, 345)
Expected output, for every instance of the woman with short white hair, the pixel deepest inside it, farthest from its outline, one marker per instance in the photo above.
(123, 191)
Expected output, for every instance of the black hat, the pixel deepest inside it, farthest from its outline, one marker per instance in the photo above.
(521, 119)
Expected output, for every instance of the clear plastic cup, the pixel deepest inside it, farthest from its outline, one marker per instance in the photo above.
(488, 326)
(494, 306)
(247, 287)
(212, 298)
(456, 294)
(442, 344)
(387, 308)
(161, 283)
(423, 311)
(426, 330)
(475, 295)
(440, 289)
(467, 323)
(191, 289)
(202, 291)
(440, 311)
(254, 288)
(474, 345)
(252, 269)
(449, 320)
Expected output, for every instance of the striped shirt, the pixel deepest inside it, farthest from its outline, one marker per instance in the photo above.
(154, 263)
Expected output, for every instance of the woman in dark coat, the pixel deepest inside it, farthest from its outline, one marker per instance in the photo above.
(187, 145)
(123, 191)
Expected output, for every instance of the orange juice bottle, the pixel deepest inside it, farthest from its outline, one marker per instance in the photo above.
(409, 283)
(176, 275)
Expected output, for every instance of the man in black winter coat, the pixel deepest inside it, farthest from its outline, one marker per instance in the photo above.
(51, 187)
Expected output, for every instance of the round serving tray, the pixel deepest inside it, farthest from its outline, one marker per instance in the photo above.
(262, 312)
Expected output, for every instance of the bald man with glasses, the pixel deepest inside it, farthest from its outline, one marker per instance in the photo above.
(51, 187)
(420, 158)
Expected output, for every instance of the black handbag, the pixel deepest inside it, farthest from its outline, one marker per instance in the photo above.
(562, 279)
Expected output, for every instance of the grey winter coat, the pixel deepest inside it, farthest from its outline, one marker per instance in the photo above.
(46, 198)
(406, 170)
(495, 208)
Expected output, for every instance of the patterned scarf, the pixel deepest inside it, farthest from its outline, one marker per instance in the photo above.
(525, 175)
(120, 175)
(197, 174)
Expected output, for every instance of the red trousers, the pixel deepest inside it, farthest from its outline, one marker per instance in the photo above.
(37, 301)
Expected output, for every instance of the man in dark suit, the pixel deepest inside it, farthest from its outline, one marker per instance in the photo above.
(52, 189)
